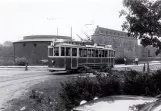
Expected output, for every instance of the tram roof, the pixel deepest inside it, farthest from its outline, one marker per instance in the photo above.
(79, 46)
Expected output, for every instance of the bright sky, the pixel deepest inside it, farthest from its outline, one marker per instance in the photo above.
(20, 18)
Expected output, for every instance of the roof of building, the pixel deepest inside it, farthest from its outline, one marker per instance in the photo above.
(42, 38)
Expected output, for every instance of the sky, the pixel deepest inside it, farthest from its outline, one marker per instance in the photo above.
(19, 18)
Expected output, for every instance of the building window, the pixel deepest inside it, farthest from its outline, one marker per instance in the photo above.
(35, 45)
(24, 44)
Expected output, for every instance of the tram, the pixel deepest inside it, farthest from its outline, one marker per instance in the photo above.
(65, 56)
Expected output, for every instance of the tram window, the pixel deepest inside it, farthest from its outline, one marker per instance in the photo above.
(92, 53)
(67, 51)
(62, 51)
(96, 53)
(89, 52)
(105, 53)
(114, 53)
(85, 52)
(74, 51)
(80, 52)
(56, 51)
(109, 53)
(100, 53)
(50, 51)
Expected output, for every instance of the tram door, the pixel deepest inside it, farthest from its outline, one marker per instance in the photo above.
(74, 59)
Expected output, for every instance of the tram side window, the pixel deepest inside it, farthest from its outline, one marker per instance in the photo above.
(56, 51)
(96, 53)
(89, 52)
(62, 51)
(67, 51)
(50, 51)
(100, 53)
(74, 51)
(92, 53)
(112, 52)
(80, 52)
(85, 52)
(109, 52)
(105, 53)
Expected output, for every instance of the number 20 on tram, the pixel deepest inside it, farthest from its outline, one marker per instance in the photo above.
(70, 57)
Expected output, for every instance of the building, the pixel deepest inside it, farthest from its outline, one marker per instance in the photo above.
(124, 45)
(34, 48)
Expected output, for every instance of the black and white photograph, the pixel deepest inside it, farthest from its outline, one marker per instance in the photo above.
(80, 55)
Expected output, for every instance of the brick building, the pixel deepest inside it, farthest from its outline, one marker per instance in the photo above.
(34, 48)
(124, 45)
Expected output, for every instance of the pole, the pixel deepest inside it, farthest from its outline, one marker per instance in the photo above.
(57, 30)
(71, 32)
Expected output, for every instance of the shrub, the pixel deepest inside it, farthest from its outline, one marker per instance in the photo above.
(119, 82)
(76, 90)
(21, 61)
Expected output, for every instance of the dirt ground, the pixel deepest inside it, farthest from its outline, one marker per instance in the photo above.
(15, 82)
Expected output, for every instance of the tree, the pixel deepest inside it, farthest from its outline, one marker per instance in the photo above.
(143, 21)
(7, 43)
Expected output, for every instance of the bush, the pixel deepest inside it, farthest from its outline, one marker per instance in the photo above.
(123, 82)
(21, 61)
(76, 90)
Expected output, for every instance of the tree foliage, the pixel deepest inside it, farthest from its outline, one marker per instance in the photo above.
(143, 21)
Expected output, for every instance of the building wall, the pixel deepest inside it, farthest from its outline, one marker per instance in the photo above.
(124, 45)
(33, 51)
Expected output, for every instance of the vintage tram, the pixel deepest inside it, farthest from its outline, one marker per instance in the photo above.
(65, 56)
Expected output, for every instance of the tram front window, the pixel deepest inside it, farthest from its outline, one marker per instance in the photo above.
(62, 51)
(50, 51)
(56, 51)
(67, 51)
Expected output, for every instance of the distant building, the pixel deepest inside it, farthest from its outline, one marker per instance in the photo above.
(34, 48)
(124, 45)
